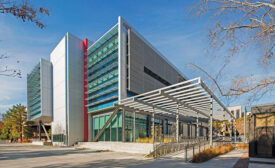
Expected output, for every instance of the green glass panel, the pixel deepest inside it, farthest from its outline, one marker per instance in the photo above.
(114, 134)
(96, 123)
(119, 120)
(114, 122)
(101, 122)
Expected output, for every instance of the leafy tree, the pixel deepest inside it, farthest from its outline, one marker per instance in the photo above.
(28, 129)
(15, 123)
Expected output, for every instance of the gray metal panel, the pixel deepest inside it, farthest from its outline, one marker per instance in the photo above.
(46, 88)
(140, 55)
(75, 78)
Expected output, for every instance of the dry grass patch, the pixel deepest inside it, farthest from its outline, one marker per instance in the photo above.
(211, 153)
(242, 146)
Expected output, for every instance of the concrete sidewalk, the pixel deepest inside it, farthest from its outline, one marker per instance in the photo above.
(27, 155)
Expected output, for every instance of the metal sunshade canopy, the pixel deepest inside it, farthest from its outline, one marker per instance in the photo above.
(191, 98)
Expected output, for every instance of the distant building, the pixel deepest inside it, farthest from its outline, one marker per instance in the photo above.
(262, 131)
(39, 92)
(40, 97)
(236, 111)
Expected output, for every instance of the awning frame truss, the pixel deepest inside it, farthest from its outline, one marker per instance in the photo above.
(189, 98)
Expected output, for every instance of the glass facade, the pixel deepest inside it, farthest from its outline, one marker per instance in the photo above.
(113, 131)
(102, 71)
(34, 93)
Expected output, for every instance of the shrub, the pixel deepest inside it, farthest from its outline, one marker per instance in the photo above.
(144, 140)
(149, 140)
(211, 153)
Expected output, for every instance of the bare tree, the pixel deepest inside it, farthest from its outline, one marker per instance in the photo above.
(23, 10)
(6, 71)
(240, 24)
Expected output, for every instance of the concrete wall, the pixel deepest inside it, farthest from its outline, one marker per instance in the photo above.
(141, 148)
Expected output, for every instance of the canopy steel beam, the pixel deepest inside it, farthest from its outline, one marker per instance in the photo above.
(182, 103)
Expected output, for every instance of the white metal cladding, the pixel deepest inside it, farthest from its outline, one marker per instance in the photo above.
(193, 97)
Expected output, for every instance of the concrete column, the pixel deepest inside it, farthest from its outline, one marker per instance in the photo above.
(123, 125)
(149, 125)
(177, 125)
(134, 127)
(39, 129)
(117, 121)
(211, 124)
(153, 125)
(167, 131)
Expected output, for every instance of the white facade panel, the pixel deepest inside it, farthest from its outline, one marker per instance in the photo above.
(68, 87)
(75, 79)
(59, 87)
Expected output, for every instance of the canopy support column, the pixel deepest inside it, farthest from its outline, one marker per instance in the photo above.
(134, 127)
(235, 131)
(211, 123)
(198, 129)
(223, 127)
(153, 125)
(230, 129)
(123, 125)
(177, 124)
(244, 134)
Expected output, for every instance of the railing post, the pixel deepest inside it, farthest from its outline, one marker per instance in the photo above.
(193, 150)
(185, 153)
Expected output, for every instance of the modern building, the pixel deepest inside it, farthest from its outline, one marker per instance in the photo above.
(236, 111)
(89, 79)
(39, 97)
(39, 92)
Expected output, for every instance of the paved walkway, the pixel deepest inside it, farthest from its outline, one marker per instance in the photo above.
(22, 155)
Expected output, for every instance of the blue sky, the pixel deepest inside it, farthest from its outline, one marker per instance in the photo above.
(166, 24)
